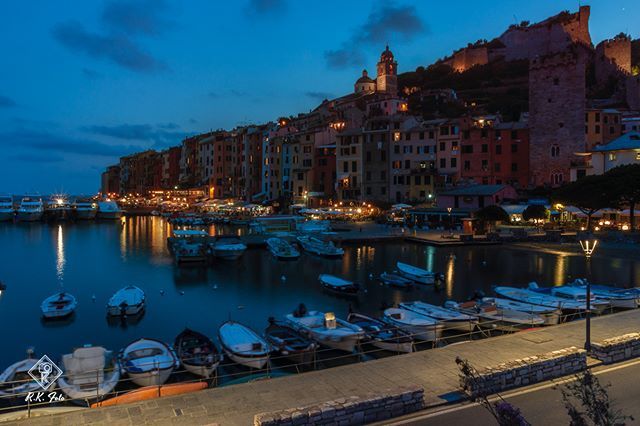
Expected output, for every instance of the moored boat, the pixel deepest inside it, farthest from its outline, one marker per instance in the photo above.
(7, 211)
(151, 392)
(532, 297)
(148, 362)
(129, 300)
(227, 247)
(326, 329)
(319, 247)
(90, 373)
(551, 315)
(15, 379)
(243, 345)
(493, 317)
(189, 245)
(576, 294)
(338, 285)
(381, 334)
(395, 280)
(281, 249)
(450, 319)
(289, 343)
(416, 274)
(618, 297)
(57, 208)
(85, 209)
(58, 305)
(108, 210)
(420, 327)
(31, 209)
(197, 353)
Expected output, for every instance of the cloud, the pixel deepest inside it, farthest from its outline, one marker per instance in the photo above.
(161, 135)
(193, 121)
(213, 95)
(265, 7)
(118, 49)
(36, 158)
(168, 126)
(386, 22)
(136, 17)
(321, 96)
(6, 102)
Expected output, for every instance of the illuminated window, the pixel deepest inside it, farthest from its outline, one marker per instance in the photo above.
(612, 156)
(396, 136)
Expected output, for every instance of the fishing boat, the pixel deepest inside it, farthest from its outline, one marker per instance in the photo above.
(243, 345)
(188, 245)
(15, 379)
(31, 209)
(395, 280)
(7, 212)
(90, 373)
(227, 247)
(319, 247)
(129, 300)
(551, 315)
(618, 297)
(381, 334)
(108, 210)
(450, 319)
(85, 209)
(576, 294)
(535, 298)
(492, 317)
(416, 274)
(197, 353)
(148, 362)
(281, 249)
(338, 285)
(151, 392)
(58, 305)
(289, 343)
(418, 326)
(326, 329)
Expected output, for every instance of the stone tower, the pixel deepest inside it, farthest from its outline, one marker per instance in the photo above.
(613, 58)
(387, 79)
(556, 114)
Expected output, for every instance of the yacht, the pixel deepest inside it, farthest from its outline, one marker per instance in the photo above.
(109, 209)
(58, 208)
(31, 209)
(85, 209)
(7, 212)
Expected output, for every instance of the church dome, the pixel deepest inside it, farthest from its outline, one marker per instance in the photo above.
(386, 55)
(365, 78)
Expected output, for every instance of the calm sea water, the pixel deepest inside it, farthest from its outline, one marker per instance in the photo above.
(93, 260)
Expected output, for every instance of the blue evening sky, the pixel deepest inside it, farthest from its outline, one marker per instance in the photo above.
(83, 82)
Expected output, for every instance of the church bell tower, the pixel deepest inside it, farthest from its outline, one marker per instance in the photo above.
(387, 79)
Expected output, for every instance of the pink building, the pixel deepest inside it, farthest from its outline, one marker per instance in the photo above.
(476, 196)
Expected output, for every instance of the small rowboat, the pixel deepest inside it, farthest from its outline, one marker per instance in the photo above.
(148, 362)
(243, 345)
(450, 319)
(382, 335)
(491, 316)
(129, 300)
(59, 305)
(289, 343)
(395, 280)
(420, 327)
(338, 285)
(197, 353)
(151, 392)
(416, 274)
(15, 379)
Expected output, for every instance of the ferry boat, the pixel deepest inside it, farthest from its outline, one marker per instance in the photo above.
(85, 209)
(7, 212)
(109, 209)
(58, 208)
(31, 209)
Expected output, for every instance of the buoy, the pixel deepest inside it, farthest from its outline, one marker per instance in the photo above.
(215, 286)
(370, 276)
(240, 307)
(182, 293)
(93, 297)
(484, 263)
(283, 278)
(162, 292)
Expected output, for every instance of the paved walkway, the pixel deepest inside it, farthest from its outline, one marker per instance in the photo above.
(435, 370)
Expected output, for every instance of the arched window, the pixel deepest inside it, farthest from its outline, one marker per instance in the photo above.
(555, 151)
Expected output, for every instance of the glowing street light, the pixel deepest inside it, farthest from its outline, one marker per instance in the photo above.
(588, 247)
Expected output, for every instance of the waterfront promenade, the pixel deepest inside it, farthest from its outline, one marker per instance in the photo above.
(435, 370)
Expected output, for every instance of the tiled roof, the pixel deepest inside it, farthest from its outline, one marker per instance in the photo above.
(475, 190)
(629, 140)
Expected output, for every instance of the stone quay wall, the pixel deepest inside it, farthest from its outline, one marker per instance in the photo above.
(354, 410)
(617, 348)
(526, 371)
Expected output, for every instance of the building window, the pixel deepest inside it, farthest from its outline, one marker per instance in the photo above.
(611, 130)
(368, 156)
(354, 166)
(467, 149)
(496, 166)
(498, 149)
(396, 136)
(368, 191)
(454, 162)
(407, 164)
(514, 148)
(598, 117)
(345, 167)
(514, 167)
(383, 175)
(443, 163)
(484, 133)
(555, 151)
(612, 156)
(396, 149)
(383, 155)
(485, 148)
(418, 180)
(442, 146)
(467, 165)
(597, 129)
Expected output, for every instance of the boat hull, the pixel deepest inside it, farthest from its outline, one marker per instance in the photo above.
(86, 214)
(154, 377)
(111, 215)
(18, 389)
(227, 254)
(28, 216)
(201, 370)
(255, 362)
(106, 385)
(6, 215)
(420, 279)
(117, 311)
(346, 344)
(426, 333)
(403, 347)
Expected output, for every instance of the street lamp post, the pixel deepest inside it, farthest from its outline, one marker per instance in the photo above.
(450, 224)
(588, 247)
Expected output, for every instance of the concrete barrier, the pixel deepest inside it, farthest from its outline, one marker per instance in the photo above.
(526, 371)
(354, 410)
(617, 348)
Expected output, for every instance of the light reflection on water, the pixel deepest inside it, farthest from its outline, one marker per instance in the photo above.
(60, 260)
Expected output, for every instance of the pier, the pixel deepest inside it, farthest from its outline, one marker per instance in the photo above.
(434, 370)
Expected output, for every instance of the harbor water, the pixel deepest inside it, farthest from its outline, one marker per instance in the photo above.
(93, 260)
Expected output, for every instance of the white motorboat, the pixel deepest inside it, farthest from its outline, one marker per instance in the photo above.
(227, 247)
(319, 247)
(420, 327)
(90, 373)
(85, 209)
(189, 245)
(535, 298)
(129, 300)
(148, 362)
(197, 353)
(493, 318)
(58, 305)
(31, 209)
(450, 319)
(7, 211)
(618, 297)
(395, 280)
(326, 329)
(551, 315)
(243, 345)
(381, 334)
(57, 208)
(108, 209)
(281, 249)
(576, 294)
(16, 381)
(338, 285)
(416, 274)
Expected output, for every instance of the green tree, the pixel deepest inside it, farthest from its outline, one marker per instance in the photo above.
(535, 211)
(624, 183)
(589, 194)
(492, 214)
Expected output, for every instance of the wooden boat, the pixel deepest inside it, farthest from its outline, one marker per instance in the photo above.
(289, 343)
(450, 319)
(418, 326)
(151, 392)
(197, 353)
(281, 249)
(148, 362)
(575, 294)
(59, 305)
(319, 247)
(129, 300)
(326, 329)
(243, 345)
(90, 373)
(338, 285)
(494, 318)
(395, 280)
(15, 379)
(551, 315)
(416, 274)
(381, 334)
(535, 298)
(618, 297)
(227, 247)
